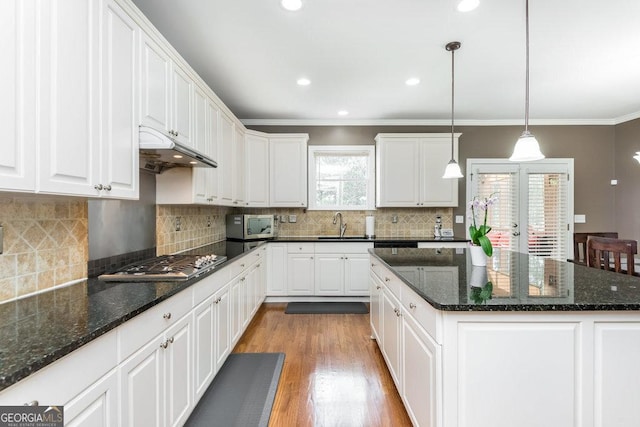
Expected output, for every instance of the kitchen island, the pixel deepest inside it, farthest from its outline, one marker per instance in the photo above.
(557, 344)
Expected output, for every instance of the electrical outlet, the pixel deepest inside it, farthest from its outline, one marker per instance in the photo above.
(1, 239)
(208, 221)
(394, 219)
(459, 219)
(178, 223)
(283, 218)
(293, 218)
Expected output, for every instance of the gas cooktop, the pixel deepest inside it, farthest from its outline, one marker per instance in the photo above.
(165, 268)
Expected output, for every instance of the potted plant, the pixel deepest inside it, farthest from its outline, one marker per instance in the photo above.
(480, 244)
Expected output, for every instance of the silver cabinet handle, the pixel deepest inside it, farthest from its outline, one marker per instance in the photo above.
(243, 279)
(171, 340)
(98, 187)
(107, 187)
(412, 305)
(386, 279)
(166, 316)
(378, 287)
(164, 344)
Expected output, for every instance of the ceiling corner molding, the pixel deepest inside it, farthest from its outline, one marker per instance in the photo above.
(435, 122)
(626, 118)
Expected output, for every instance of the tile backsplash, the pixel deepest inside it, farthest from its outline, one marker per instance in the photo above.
(199, 226)
(45, 244)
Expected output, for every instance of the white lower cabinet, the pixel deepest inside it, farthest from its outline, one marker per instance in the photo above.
(156, 381)
(97, 406)
(391, 333)
(300, 269)
(276, 269)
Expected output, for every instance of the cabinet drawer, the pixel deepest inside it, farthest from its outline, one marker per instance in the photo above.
(58, 383)
(342, 248)
(387, 277)
(300, 248)
(136, 332)
(426, 316)
(240, 265)
(210, 285)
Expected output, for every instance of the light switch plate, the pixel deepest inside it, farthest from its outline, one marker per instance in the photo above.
(459, 219)
(580, 219)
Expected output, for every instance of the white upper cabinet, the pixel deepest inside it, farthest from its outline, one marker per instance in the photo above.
(225, 162)
(239, 150)
(182, 104)
(410, 168)
(257, 169)
(119, 102)
(288, 170)
(86, 105)
(155, 81)
(17, 78)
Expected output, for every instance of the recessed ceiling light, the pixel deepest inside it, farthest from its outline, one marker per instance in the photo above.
(177, 156)
(292, 5)
(467, 5)
(193, 162)
(343, 112)
(412, 81)
(303, 81)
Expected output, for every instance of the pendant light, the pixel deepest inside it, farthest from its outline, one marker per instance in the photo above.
(527, 148)
(453, 169)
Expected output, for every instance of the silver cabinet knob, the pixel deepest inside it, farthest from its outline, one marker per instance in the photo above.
(98, 187)
(107, 187)
(166, 316)
(171, 340)
(32, 403)
(412, 305)
(164, 344)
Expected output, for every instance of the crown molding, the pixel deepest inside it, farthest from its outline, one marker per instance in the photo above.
(627, 118)
(445, 122)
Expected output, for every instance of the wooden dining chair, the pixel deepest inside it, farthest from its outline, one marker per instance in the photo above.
(606, 254)
(580, 244)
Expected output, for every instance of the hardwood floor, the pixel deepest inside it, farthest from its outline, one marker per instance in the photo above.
(333, 374)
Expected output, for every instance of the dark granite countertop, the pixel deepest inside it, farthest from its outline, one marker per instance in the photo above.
(316, 239)
(444, 278)
(40, 329)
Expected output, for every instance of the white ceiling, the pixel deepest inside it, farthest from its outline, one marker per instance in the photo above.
(585, 58)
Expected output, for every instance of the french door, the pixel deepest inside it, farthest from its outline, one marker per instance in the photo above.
(533, 215)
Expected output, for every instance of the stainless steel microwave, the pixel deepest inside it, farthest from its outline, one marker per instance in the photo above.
(251, 227)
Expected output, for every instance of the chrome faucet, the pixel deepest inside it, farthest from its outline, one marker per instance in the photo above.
(343, 226)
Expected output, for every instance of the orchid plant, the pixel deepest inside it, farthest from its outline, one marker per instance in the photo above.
(477, 234)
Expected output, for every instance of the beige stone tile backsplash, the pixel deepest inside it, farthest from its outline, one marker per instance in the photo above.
(45, 244)
(412, 222)
(194, 231)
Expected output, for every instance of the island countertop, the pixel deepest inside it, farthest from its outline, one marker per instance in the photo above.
(521, 282)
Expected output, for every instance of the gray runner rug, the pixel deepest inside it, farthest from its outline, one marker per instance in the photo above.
(242, 393)
(326, 308)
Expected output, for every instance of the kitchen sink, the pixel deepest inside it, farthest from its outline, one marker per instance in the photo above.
(341, 238)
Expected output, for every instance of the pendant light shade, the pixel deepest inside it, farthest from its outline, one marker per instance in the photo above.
(527, 148)
(453, 169)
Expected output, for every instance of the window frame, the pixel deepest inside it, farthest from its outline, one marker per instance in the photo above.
(370, 152)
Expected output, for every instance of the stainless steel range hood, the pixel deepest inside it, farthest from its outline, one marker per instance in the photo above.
(159, 152)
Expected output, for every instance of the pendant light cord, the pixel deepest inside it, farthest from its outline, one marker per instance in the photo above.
(453, 51)
(526, 94)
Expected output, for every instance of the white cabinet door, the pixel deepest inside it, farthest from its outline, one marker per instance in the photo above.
(212, 113)
(69, 94)
(434, 156)
(97, 406)
(200, 143)
(288, 170)
(178, 372)
(397, 178)
(356, 274)
(329, 274)
(225, 163)
(300, 274)
(142, 386)
(238, 304)
(375, 308)
(257, 170)
(238, 184)
(391, 335)
(277, 269)
(222, 314)
(204, 365)
(17, 85)
(119, 155)
(155, 81)
(422, 374)
(182, 104)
